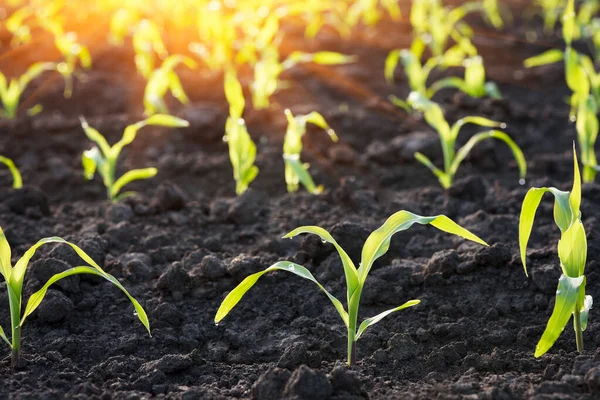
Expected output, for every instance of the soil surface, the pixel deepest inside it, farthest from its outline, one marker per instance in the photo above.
(186, 240)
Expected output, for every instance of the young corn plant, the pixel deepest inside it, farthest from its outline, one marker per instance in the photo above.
(376, 245)
(147, 44)
(11, 91)
(268, 69)
(16, 175)
(15, 275)
(103, 157)
(73, 53)
(296, 171)
(448, 134)
(163, 80)
(242, 150)
(572, 253)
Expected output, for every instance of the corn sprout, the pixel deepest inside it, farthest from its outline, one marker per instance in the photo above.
(14, 277)
(295, 170)
(572, 253)
(376, 245)
(11, 91)
(103, 158)
(16, 175)
(161, 81)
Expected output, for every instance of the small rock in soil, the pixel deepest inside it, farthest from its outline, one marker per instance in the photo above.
(29, 200)
(247, 208)
(119, 212)
(545, 277)
(271, 384)
(175, 279)
(401, 347)
(168, 313)
(168, 364)
(169, 197)
(308, 384)
(294, 356)
(344, 380)
(592, 379)
(55, 307)
(137, 266)
(212, 268)
(497, 255)
(45, 268)
(444, 262)
(470, 188)
(244, 265)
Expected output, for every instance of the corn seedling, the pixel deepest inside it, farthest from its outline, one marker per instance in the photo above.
(473, 84)
(73, 54)
(242, 150)
(448, 134)
(295, 170)
(120, 26)
(11, 91)
(147, 43)
(14, 277)
(17, 26)
(572, 253)
(163, 80)
(376, 245)
(16, 175)
(268, 69)
(103, 157)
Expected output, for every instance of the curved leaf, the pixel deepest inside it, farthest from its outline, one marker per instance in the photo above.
(585, 311)
(349, 269)
(391, 62)
(547, 57)
(481, 121)
(572, 250)
(234, 94)
(17, 179)
(236, 294)
(3, 336)
(373, 320)
(462, 153)
(378, 243)
(36, 298)
(5, 257)
(301, 174)
(566, 299)
(444, 179)
(130, 176)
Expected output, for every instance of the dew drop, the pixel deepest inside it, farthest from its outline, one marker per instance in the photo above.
(521, 181)
(572, 118)
(323, 241)
(503, 125)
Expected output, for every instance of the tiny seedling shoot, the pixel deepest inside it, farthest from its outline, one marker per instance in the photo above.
(572, 253)
(242, 150)
(163, 80)
(14, 277)
(16, 175)
(103, 158)
(11, 91)
(448, 135)
(376, 245)
(295, 170)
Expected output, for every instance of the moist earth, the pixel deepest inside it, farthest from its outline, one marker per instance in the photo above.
(186, 240)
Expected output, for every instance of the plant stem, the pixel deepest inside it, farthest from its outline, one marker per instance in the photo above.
(578, 331)
(351, 346)
(16, 347)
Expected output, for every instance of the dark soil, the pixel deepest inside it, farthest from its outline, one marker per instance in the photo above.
(186, 240)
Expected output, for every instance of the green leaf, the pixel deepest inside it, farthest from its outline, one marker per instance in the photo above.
(17, 179)
(166, 120)
(575, 196)
(236, 294)
(242, 153)
(481, 121)
(569, 25)
(33, 72)
(373, 320)
(444, 179)
(349, 269)
(5, 257)
(36, 298)
(3, 336)
(462, 153)
(300, 172)
(234, 94)
(391, 62)
(317, 119)
(133, 175)
(572, 250)
(547, 57)
(91, 160)
(377, 244)
(566, 299)
(562, 215)
(95, 137)
(585, 312)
